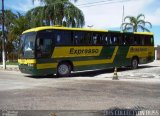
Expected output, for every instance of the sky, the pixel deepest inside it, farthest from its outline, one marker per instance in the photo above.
(105, 14)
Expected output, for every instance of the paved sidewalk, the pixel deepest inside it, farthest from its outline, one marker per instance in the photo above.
(10, 67)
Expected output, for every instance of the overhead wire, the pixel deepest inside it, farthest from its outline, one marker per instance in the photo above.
(102, 3)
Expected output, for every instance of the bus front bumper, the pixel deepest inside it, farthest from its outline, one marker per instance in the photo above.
(32, 70)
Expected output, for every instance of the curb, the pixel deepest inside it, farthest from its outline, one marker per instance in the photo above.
(10, 67)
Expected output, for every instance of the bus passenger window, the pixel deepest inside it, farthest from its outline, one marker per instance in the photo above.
(142, 40)
(106, 40)
(137, 40)
(114, 40)
(148, 40)
(125, 42)
(99, 39)
(39, 43)
(76, 39)
(63, 37)
(128, 39)
(58, 39)
(94, 40)
(44, 47)
(87, 38)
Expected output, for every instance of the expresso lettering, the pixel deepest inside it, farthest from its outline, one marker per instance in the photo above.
(83, 51)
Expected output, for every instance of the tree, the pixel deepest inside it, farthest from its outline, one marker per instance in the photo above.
(56, 12)
(9, 17)
(135, 23)
(20, 24)
(15, 24)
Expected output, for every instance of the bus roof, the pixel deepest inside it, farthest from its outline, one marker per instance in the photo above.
(62, 28)
(144, 33)
(80, 29)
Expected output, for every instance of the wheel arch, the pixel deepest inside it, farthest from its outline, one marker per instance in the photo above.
(136, 58)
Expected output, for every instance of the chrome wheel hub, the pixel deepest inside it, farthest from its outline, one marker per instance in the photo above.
(63, 69)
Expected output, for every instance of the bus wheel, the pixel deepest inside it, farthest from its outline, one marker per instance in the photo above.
(63, 69)
(134, 63)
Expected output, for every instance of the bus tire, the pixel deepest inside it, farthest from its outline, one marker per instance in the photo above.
(134, 63)
(64, 69)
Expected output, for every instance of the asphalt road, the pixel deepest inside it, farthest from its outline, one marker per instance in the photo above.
(83, 91)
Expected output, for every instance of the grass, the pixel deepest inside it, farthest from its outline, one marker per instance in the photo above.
(10, 63)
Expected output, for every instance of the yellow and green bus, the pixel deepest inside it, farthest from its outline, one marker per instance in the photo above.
(60, 50)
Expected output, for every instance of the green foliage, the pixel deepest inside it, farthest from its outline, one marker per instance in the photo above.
(56, 12)
(9, 16)
(9, 47)
(135, 23)
(15, 24)
(19, 25)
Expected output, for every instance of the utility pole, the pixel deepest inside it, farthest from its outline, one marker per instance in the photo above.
(3, 38)
(122, 17)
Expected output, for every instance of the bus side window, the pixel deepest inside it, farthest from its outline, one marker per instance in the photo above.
(142, 40)
(128, 39)
(114, 40)
(97, 39)
(131, 40)
(125, 42)
(63, 37)
(109, 39)
(94, 39)
(58, 39)
(137, 40)
(87, 38)
(76, 41)
(78, 38)
(148, 40)
(151, 40)
(106, 40)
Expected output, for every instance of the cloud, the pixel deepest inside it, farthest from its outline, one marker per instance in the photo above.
(154, 17)
(104, 15)
(110, 15)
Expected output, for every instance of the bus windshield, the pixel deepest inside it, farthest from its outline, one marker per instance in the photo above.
(27, 45)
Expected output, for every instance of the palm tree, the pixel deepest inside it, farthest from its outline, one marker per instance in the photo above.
(20, 24)
(135, 23)
(56, 12)
(9, 17)
(15, 24)
(50, 1)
